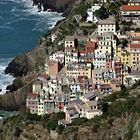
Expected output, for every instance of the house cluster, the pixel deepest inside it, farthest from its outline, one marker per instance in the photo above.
(86, 71)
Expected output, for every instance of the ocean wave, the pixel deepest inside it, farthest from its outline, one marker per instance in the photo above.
(5, 79)
(21, 19)
(41, 17)
(7, 27)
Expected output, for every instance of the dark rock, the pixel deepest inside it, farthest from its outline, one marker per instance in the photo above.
(13, 101)
(55, 5)
(27, 63)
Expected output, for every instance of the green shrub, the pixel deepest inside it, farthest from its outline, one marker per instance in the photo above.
(60, 129)
(33, 117)
(79, 121)
(82, 9)
(17, 132)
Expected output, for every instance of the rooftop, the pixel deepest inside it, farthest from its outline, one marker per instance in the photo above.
(135, 46)
(32, 95)
(134, 1)
(90, 95)
(91, 103)
(91, 44)
(130, 8)
(110, 20)
(69, 38)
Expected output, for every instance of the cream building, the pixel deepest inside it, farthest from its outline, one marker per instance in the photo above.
(106, 25)
(69, 41)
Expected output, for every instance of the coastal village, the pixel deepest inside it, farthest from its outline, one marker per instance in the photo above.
(90, 66)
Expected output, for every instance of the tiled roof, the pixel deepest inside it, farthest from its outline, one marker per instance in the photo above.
(130, 8)
(105, 86)
(43, 75)
(69, 38)
(33, 95)
(90, 95)
(90, 44)
(134, 46)
(91, 103)
(134, 1)
(107, 21)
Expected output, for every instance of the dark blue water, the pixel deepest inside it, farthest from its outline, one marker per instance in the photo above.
(20, 28)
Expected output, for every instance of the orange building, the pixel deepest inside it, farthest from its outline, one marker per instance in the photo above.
(54, 68)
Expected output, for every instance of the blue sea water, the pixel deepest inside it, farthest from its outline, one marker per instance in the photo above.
(21, 25)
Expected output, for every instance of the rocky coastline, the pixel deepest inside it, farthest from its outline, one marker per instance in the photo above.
(27, 66)
(62, 6)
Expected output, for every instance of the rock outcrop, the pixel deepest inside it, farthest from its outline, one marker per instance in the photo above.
(54, 5)
(13, 101)
(27, 62)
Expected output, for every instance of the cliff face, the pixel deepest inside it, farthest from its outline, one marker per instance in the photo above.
(54, 5)
(27, 62)
(13, 101)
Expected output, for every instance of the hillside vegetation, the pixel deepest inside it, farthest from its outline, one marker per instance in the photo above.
(120, 121)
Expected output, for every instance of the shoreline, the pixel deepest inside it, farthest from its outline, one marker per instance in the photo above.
(16, 98)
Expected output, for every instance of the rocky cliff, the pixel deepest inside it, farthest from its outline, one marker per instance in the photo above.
(27, 62)
(26, 66)
(61, 6)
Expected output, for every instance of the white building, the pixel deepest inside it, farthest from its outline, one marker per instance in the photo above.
(107, 43)
(53, 37)
(134, 2)
(100, 61)
(91, 11)
(69, 42)
(107, 25)
(41, 107)
(57, 57)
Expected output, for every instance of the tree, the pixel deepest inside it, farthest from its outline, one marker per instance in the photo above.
(137, 30)
(101, 13)
(17, 132)
(81, 10)
(124, 42)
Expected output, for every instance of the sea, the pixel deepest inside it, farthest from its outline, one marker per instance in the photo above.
(21, 26)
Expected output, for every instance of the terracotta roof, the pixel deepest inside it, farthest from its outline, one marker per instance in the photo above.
(130, 8)
(44, 75)
(133, 46)
(90, 44)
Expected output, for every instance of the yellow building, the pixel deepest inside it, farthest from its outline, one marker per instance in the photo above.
(124, 56)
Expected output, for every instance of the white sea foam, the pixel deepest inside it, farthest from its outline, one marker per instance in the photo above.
(5, 79)
(7, 27)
